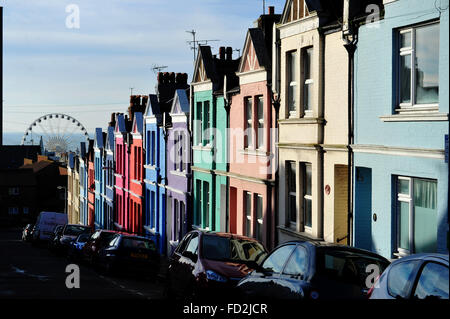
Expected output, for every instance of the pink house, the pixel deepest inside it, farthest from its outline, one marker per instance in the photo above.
(121, 173)
(252, 139)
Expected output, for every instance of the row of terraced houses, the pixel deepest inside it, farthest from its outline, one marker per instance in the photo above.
(331, 126)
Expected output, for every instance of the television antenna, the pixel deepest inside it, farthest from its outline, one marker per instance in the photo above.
(195, 43)
(158, 68)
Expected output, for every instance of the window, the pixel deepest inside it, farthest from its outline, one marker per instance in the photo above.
(176, 218)
(180, 220)
(248, 122)
(416, 215)
(260, 113)
(433, 282)
(292, 193)
(259, 217)
(180, 151)
(198, 211)
(207, 123)
(199, 135)
(13, 191)
(307, 79)
(153, 157)
(400, 278)
(307, 194)
(192, 248)
(175, 151)
(13, 210)
(248, 213)
(149, 147)
(206, 205)
(418, 74)
(275, 262)
(292, 83)
(298, 263)
(152, 210)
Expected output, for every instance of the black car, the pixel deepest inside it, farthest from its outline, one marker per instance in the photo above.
(74, 251)
(209, 265)
(67, 235)
(27, 232)
(313, 270)
(129, 254)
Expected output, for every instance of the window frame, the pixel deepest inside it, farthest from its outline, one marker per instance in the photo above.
(411, 50)
(290, 193)
(248, 198)
(292, 81)
(307, 83)
(260, 140)
(306, 197)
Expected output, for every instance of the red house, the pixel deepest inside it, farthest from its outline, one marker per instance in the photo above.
(91, 185)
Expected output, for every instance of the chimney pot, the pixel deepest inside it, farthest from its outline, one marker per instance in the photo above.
(271, 10)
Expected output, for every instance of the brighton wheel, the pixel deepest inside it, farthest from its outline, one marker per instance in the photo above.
(60, 133)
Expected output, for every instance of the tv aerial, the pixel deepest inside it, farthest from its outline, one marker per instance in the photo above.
(158, 68)
(195, 43)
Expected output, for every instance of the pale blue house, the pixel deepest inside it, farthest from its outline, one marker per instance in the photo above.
(99, 141)
(401, 119)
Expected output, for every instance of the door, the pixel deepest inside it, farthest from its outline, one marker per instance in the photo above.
(363, 208)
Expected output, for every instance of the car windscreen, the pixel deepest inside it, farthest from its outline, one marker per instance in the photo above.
(347, 266)
(106, 237)
(136, 243)
(231, 249)
(83, 238)
(74, 230)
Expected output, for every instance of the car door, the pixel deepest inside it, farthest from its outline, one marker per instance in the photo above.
(187, 263)
(291, 282)
(431, 282)
(175, 276)
(264, 282)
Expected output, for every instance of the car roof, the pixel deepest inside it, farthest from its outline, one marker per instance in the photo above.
(424, 256)
(334, 246)
(226, 235)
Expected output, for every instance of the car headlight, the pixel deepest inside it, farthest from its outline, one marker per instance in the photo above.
(211, 275)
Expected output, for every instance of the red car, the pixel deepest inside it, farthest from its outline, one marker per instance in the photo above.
(211, 264)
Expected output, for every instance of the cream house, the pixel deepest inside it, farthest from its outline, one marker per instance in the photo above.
(311, 83)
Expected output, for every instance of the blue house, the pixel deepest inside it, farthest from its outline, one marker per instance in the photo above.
(108, 177)
(155, 174)
(401, 118)
(83, 184)
(98, 177)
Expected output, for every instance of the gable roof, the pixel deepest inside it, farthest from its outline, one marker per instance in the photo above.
(98, 139)
(138, 123)
(204, 65)
(109, 144)
(255, 47)
(153, 109)
(120, 124)
(180, 103)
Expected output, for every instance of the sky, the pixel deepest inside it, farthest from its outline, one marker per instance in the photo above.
(87, 72)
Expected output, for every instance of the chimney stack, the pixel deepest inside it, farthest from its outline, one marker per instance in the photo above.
(229, 53)
(113, 120)
(271, 10)
(222, 53)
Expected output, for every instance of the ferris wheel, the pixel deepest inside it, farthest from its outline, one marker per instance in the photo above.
(60, 133)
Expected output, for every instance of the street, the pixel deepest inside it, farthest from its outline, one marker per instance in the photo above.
(27, 271)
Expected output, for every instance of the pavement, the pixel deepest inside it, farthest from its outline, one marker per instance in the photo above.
(33, 272)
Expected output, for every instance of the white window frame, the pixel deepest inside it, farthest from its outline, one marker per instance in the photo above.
(248, 143)
(290, 194)
(260, 141)
(259, 221)
(248, 213)
(403, 51)
(305, 197)
(292, 81)
(307, 82)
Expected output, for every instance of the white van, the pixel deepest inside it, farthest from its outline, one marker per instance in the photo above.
(46, 224)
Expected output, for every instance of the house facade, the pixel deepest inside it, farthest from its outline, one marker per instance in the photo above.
(109, 180)
(98, 178)
(83, 185)
(179, 175)
(401, 118)
(121, 172)
(210, 143)
(252, 139)
(90, 184)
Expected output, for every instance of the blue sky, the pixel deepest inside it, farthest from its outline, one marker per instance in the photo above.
(87, 72)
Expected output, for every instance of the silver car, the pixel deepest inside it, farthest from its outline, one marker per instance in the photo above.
(420, 276)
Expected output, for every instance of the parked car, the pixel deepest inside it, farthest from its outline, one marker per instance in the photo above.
(54, 239)
(74, 251)
(210, 264)
(27, 232)
(129, 254)
(46, 223)
(312, 270)
(98, 240)
(68, 234)
(420, 276)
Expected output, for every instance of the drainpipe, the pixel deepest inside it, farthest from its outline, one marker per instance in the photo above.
(227, 105)
(350, 46)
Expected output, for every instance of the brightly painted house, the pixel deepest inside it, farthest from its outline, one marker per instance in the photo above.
(252, 139)
(210, 144)
(136, 183)
(179, 208)
(121, 170)
(109, 180)
(83, 184)
(99, 139)
(401, 117)
(313, 129)
(70, 186)
(155, 205)
(90, 184)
